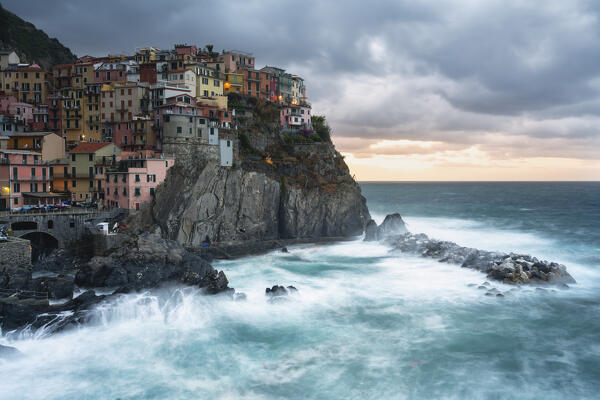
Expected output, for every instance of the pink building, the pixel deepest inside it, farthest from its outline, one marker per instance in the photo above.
(110, 72)
(24, 180)
(123, 133)
(237, 60)
(295, 117)
(134, 181)
(21, 111)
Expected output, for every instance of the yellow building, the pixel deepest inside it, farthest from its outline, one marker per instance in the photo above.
(208, 82)
(146, 54)
(88, 162)
(27, 83)
(234, 83)
(48, 144)
(91, 113)
(72, 114)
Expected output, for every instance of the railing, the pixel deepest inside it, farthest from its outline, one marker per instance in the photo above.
(30, 294)
(66, 211)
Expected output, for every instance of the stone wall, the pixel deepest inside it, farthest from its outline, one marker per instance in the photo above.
(15, 253)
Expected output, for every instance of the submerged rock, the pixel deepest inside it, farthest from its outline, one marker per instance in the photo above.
(8, 351)
(278, 290)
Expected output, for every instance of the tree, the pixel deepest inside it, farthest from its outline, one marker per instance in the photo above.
(321, 127)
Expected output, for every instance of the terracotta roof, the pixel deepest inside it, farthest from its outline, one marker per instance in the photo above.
(88, 147)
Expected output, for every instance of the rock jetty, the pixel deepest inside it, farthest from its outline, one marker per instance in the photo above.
(506, 267)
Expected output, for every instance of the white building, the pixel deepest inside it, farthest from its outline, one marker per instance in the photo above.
(226, 151)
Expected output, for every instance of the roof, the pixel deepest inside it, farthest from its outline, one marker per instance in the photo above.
(58, 161)
(31, 134)
(89, 147)
(23, 152)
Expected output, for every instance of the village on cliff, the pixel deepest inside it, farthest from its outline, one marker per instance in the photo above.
(103, 131)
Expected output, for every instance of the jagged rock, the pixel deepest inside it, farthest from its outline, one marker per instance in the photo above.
(284, 250)
(147, 261)
(60, 287)
(391, 225)
(371, 231)
(276, 291)
(268, 203)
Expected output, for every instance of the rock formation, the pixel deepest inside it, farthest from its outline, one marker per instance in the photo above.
(508, 268)
(283, 191)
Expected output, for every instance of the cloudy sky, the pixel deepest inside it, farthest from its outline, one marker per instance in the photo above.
(414, 90)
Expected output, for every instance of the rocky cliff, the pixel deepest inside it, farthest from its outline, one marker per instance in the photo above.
(277, 189)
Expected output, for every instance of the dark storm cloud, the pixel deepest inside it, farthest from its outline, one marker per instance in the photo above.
(449, 71)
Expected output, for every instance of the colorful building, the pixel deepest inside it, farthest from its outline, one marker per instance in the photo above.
(87, 162)
(48, 144)
(133, 182)
(24, 180)
(236, 60)
(234, 83)
(27, 83)
(296, 117)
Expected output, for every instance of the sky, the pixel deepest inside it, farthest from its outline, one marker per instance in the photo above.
(413, 90)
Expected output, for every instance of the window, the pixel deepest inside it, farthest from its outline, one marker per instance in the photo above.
(179, 129)
(151, 191)
(137, 192)
(137, 177)
(73, 183)
(124, 191)
(72, 157)
(16, 200)
(217, 83)
(33, 172)
(205, 81)
(91, 184)
(90, 157)
(16, 187)
(206, 93)
(73, 171)
(15, 173)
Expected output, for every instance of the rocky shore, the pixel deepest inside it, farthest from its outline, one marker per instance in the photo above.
(139, 262)
(506, 267)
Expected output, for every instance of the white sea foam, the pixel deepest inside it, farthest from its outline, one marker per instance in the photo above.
(364, 323)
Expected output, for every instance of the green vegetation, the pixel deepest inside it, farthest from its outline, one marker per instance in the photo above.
(31, 44)
(321, 127)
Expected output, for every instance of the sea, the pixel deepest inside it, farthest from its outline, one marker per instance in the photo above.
(365, 323)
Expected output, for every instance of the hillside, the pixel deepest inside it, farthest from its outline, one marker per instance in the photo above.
(30, 43)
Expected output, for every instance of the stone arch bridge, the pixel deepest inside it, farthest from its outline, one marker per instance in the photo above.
(49, 230)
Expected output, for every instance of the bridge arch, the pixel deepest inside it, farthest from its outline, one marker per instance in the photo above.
(42, 243)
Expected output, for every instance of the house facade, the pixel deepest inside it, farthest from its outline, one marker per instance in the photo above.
(133, 182)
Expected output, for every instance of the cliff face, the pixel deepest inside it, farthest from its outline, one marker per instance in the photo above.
(306, 191)
(31, 44)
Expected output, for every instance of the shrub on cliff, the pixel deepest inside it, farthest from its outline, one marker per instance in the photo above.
(321, 127)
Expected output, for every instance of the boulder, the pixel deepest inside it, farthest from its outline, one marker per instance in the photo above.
(276, 290)
(371, 231)
(391, 225)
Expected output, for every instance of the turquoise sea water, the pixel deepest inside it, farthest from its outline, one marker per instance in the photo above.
(365, 324)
